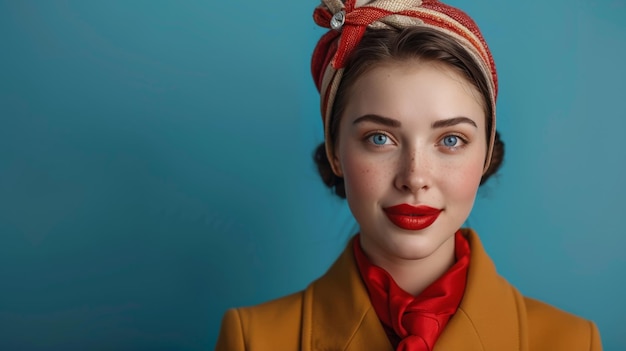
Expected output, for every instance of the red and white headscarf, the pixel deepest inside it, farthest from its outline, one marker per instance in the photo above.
(349, 19)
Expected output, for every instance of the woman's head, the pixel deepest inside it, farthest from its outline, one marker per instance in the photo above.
(409, 117)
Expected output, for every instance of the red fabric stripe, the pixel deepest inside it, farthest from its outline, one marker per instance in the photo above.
(322, 55)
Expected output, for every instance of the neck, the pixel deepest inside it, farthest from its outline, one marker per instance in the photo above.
(412, 274)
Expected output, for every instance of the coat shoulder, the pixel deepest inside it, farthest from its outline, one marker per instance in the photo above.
(284, 310)
(550, 328)
(273, 325)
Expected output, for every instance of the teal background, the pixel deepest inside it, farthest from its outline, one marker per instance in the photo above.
(155, 165)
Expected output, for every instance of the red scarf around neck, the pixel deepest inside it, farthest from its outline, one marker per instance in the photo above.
(415, 323)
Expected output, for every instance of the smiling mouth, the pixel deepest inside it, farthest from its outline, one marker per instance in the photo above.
(411, 217)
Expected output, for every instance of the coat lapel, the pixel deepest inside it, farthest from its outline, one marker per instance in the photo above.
(489, 316)
(337, 313)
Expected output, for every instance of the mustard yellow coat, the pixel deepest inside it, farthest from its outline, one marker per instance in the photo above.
(334, 313)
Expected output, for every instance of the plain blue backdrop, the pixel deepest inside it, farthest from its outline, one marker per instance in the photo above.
(155, 165)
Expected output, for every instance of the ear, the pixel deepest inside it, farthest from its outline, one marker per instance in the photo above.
(331, 155)
(336, 166)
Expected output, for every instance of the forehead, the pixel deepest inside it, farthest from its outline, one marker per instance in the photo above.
(422, 87)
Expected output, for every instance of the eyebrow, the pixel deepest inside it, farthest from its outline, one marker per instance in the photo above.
(390, 122)
(452, 122)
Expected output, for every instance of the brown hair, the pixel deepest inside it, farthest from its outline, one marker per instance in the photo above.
(384, 45)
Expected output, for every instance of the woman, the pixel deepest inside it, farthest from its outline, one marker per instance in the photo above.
(408, 93)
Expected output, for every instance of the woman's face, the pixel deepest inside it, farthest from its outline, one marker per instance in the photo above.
(411, 148)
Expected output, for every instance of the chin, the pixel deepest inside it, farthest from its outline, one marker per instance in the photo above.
(415, 246)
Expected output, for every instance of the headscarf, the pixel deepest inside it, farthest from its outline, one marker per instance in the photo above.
(349, 19)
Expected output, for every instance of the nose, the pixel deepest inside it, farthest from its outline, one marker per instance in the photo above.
(414, 171)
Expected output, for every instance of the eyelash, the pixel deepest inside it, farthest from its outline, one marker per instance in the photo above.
(463, 140)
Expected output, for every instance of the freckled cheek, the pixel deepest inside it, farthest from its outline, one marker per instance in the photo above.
(363, 178)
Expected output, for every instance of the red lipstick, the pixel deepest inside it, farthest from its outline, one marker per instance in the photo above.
(411, 217)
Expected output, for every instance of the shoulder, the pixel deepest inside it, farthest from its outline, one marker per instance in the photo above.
(266, 326)
(550, 328)
(281, 310)
(491, 300)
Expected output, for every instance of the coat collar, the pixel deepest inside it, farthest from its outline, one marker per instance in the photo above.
(337, 311)
(338, 315)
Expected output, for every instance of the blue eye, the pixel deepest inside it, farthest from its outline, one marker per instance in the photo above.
(379, 139)
(451, 141)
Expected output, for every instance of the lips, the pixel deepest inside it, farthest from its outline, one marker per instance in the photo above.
(411, 217)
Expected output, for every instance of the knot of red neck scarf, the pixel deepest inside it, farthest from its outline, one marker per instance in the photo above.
(415, 323)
